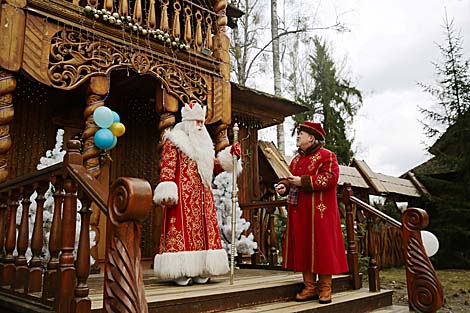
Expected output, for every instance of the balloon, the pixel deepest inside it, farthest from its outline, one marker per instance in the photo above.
(114, 143)
(103, 117)
(430, 242)
(104, 139)
(118, 129)
(117, 118)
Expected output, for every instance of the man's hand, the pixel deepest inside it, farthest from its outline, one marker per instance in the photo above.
(281, 189)
(235, 150)
(294, 180)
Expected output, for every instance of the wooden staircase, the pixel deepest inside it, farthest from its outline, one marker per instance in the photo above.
(253, 291)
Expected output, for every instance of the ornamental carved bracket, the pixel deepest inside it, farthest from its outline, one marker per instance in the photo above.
(74, 58)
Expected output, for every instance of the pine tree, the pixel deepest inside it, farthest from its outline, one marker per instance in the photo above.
(333, 98)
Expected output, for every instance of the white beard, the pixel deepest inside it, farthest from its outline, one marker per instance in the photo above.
(197, 144)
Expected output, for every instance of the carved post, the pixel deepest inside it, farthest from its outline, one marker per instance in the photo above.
(425, 293)
(208, 42)
(123, 8)
(82, 302)
(221, 138)
(97, 90)
(66, 273)
(7, 86)
(8, 275)
(137, 14)
(164, 16)
(188, 33)
(37, 240)
(353, 262)
(272, 238)
(255, 258)
(373, 270)
(3, 211)
(129, 202)
(21, 271)
(151, 16)
(176, 27)
(55, 240)
(198, 32)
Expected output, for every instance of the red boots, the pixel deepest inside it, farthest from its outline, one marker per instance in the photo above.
(310, 291)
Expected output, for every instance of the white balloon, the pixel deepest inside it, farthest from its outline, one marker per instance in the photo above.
(430, 243)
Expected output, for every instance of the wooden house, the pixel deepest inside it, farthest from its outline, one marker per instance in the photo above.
(61, 60)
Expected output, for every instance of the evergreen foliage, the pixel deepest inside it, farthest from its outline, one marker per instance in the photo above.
(449, 205)
(332, 97)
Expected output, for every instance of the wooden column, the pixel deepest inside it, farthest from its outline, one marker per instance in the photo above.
(55, 240)
(97, 90)
(34, 281)
(7, 86)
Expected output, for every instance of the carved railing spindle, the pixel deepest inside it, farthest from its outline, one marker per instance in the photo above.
(37, 240)
(353, 258)
(108, 5)
(373, 270)
(198, 40)
(272, 240)
(176, 27)
(425, 293)
(209, 42)
(82, 303)
(7, 86)
(255, 258)
(129, 202)
(8, 274)
(123, 8)
(164, 16)
(66, 273)
(137, 13)
(152, 17)
(21, 271)
(55, 240)
(188, 33)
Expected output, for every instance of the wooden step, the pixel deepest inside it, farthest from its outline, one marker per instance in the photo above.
(353, 301)
(251, 287)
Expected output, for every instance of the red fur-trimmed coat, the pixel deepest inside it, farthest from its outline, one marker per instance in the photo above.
(313, 241)
(190, 243)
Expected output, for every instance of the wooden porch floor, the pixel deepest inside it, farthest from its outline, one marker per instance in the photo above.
(168, 293)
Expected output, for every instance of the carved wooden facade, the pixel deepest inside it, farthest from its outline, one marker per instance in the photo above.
(60, 60)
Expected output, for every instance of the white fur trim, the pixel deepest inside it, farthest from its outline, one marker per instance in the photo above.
(226, 161)
(172, 265)
(165, 190)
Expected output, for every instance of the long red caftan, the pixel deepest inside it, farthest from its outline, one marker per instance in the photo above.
(190, 243)
(314, 240)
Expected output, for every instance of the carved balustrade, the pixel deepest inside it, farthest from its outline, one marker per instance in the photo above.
(425, 292)
(263, 217)
(60, 282)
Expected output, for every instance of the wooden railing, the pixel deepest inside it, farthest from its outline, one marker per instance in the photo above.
(425, 293)
(177, 24)
(62, 285)
(262, 216)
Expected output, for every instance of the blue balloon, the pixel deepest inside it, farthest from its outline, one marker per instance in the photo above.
(114, 143)
(104, 139)
(117, 118)
(103, 117)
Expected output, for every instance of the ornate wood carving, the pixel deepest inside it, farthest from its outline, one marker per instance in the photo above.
(12, 21)
(7, 86)
(8, 274)
(75, 58)
(129, 202)
(425, 293)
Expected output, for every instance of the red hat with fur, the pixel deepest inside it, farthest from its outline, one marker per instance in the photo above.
(314, 129)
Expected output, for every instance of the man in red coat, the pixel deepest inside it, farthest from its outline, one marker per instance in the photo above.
(190, 246)
(314, 241)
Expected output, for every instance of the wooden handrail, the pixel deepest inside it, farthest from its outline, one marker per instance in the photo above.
(370, 209)
(25, 180)
(425, 292)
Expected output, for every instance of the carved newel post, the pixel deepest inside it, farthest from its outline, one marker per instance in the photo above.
(129, 202)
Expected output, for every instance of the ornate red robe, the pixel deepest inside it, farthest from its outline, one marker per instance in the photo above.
(314, 240)
(190, 243)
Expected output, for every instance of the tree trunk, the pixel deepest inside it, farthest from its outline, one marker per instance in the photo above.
(277, 70)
